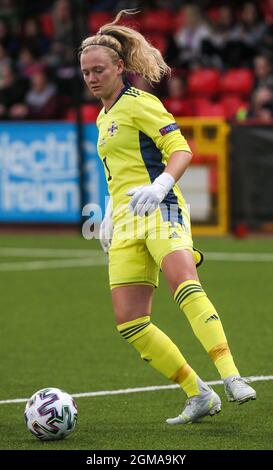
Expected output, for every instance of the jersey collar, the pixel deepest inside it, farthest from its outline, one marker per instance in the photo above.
(126, 86)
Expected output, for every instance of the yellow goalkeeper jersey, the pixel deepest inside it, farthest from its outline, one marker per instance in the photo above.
(136, 137)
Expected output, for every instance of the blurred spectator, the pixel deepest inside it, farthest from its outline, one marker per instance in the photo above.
(4, 58)
(60, 61)
(267, 41)
(34, 7)
(214, 45)
(176, 87)
(62, 21)
(222, 43)
(27, 64)
(62, 51)
(246, 37)
(8, 38)
(251, 27)
(33, 39)
(12, 92)
(42, 100)
(266, 113)
(104, 5)
(263, 71)
(161, 4)
(185, 48)
(267, 10)
(117, 5)
(176, 101)
(261, 105)
(54, 57)
(4, 33)
(143, 4)
(8, 11)
(10, 25)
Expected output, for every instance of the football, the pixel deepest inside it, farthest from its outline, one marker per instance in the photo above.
(50, 414)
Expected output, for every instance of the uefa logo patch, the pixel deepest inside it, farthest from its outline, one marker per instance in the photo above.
(169, 128)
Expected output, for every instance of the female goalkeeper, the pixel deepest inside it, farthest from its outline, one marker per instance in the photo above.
(147, 227)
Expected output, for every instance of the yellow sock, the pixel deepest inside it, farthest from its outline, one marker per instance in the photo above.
(156, 348)
(206, 325)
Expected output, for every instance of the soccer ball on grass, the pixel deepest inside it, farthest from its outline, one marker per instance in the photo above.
(51, 414)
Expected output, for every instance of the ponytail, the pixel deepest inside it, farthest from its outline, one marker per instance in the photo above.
(123, 42)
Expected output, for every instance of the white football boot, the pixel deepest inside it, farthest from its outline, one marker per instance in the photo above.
(237, 389)
(206, 404)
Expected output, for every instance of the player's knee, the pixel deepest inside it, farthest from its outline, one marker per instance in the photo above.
(121, 318)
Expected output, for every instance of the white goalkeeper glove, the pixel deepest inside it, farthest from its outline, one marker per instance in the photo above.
(146, 199)
(106, 228)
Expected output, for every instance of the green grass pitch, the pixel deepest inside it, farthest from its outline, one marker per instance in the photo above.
(57, 329)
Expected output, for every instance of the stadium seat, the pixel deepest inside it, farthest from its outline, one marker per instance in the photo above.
(204, 82)
(210, 109)
(132, 21)
(46, 24)
(178, 107)
(237, 82)
(89, 113)
(197, 102)
(98, 19)
(266, 7)
(156, 21)
(179, 20)
(159, 41)
(213, 14)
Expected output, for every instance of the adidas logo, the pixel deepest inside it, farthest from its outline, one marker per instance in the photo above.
(174, 235)
(212, 317)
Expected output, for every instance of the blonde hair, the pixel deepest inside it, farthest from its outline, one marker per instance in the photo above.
(123, 42)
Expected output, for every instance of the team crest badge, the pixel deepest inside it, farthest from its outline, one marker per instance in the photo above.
(113, 129)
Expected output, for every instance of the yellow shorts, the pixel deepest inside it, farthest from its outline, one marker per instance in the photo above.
(139, 245)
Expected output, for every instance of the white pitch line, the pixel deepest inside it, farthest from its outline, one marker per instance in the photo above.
(63, 253)
(125, 391)
(86, 258)
(47, 252)
(257, 257)
(53, 264)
